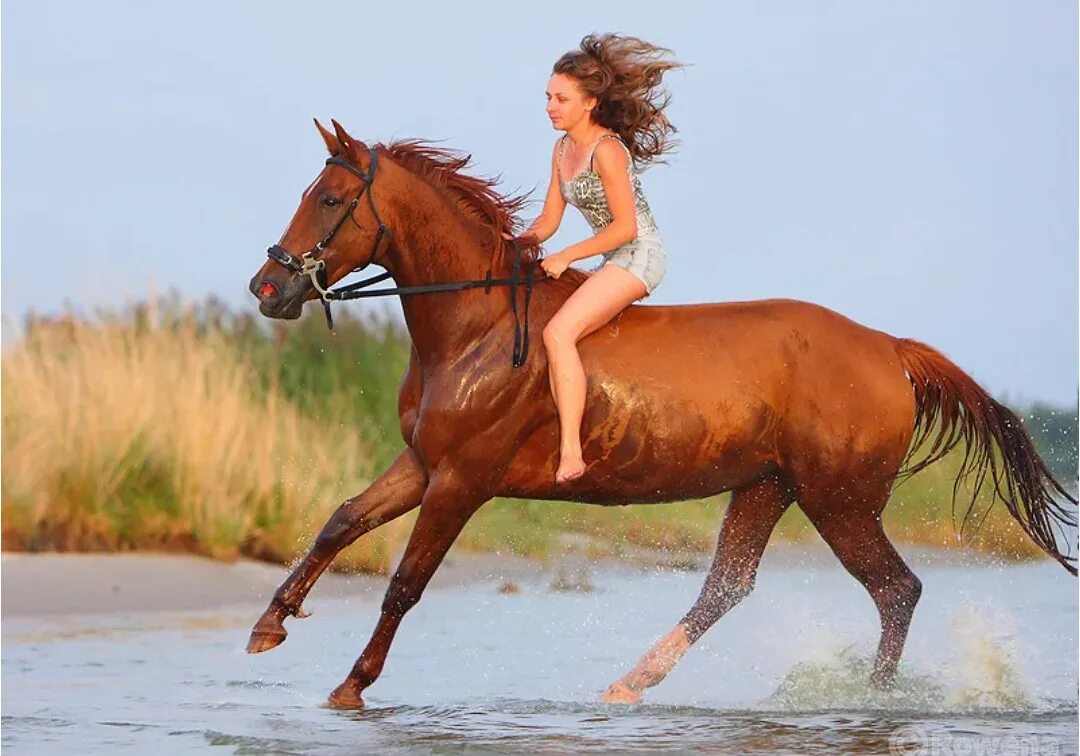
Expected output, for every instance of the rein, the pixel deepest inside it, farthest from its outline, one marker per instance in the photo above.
(312, 265)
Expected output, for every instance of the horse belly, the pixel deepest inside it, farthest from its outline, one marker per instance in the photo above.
(645, 444)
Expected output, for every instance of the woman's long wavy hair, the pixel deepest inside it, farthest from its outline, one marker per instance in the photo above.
(624, 74)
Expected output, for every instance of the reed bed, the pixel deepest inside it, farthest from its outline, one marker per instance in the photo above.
(191, 428)
(157, 434)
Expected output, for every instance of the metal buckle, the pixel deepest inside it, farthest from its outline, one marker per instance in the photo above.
(311, 265)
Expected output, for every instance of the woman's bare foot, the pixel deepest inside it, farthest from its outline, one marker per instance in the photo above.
(570, 468)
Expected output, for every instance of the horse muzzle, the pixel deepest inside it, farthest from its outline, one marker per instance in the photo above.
(280, 297)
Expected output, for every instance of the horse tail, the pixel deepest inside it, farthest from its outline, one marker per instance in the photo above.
(950, 408)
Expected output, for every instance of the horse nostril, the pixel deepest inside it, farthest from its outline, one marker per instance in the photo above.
(267, 290)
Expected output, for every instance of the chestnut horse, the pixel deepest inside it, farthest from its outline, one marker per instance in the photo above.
(778, 401)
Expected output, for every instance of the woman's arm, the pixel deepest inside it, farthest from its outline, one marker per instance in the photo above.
(613, 165)
(545, 226)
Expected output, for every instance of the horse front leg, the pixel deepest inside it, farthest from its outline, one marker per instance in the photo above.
(399, 489)
(444, 511)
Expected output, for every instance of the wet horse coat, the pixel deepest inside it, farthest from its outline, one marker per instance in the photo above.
(777, 401)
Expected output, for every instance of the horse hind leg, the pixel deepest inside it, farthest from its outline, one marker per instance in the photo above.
(851, 526)
(748, 523)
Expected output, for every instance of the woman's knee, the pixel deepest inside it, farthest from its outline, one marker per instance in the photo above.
(558, 336)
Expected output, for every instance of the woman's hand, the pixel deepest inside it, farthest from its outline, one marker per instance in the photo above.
(556, 264)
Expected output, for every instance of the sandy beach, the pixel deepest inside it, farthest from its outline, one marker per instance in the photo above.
(51, 584)
(41, 585)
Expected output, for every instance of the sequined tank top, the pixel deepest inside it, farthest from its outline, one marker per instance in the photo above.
(585, 191)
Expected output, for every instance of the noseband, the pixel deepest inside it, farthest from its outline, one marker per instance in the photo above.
(312, 265)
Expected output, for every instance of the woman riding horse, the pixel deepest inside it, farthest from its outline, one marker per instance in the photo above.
(606, 97)
(806, 407)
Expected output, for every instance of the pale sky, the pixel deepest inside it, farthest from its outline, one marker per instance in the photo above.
(910, 164)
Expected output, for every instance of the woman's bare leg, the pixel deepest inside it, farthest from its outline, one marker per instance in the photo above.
(606, 293)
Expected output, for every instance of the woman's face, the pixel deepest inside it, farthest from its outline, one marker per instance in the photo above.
(567, 104)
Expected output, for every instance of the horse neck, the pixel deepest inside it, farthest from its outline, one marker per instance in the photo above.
(443, 250)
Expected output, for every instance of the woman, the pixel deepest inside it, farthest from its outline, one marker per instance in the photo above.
(606, 96)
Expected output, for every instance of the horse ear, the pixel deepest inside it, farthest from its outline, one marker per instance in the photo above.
(354, 147)
(332, 143)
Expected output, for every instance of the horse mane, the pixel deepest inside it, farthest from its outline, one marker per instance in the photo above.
(475, 197)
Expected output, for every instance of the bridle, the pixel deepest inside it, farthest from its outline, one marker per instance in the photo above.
(312, 265)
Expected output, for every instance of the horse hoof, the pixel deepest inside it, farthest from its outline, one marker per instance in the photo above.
(264, 640)
(345, 696)
(620, 693)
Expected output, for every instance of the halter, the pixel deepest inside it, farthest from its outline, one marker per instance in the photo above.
(312, 265)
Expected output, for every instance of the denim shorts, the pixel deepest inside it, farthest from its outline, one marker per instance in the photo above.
(645, 257)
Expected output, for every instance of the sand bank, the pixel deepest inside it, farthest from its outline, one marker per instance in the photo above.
(42, 585)
(60, 584)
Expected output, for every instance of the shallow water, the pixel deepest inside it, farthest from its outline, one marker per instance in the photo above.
(990, 667)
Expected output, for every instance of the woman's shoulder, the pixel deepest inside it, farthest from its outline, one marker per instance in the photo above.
(611, 147)
(558, 148)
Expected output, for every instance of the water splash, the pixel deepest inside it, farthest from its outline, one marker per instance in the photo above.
(981, 675)
(843, 682)
(985, 669)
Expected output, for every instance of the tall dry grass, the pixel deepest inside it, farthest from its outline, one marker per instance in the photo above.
(215, 433)
(120, 434)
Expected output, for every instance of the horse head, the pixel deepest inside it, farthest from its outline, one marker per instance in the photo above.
(336, 229)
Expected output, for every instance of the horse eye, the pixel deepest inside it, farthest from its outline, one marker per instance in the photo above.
(330, 200)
